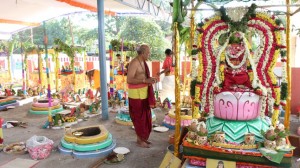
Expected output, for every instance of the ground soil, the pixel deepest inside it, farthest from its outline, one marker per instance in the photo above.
(124, 136)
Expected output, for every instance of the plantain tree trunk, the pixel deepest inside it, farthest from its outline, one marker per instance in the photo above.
(74, 75)
(72, 59)
(40, 67)
(11, 46)
(56, 71)
(26, 70)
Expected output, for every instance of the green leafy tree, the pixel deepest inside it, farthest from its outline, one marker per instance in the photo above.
(113, 26)
(165, 27)
(145, 31)
(88, 38)
(8, 46)
(57, 28)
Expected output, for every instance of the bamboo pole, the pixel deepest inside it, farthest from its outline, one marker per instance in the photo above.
(26, 70)
(177, 90)
(73, 58)
(11, 46)
(184, 71)
(23, 71)
(288, 99)
(48, 79)
(40, 66)
(84, 67)
(192, 36)
(122, 65)
(111, 81)
(57, 65)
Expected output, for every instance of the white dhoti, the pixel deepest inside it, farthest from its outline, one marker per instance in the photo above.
(168, 88)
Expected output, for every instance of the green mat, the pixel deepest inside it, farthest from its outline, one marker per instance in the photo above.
(187, 151)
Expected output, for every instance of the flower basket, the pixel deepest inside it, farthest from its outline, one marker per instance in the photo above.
(40, 152)
(39, 147)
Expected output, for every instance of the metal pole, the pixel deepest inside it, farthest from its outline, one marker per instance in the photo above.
(177, 90)
(102, 58)
(258, 6)
(288, 68)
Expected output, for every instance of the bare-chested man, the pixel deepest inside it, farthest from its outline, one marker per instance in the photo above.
(138, 79)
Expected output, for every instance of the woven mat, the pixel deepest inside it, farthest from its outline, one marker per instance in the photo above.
(20, 163)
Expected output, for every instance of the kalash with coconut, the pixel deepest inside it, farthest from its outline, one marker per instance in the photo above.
(237, 93)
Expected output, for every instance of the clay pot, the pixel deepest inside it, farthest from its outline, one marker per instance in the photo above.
(192, 135)
(281, 142)
(219, 137)
(249, 139)
(68, 130)
(200, 140)
(270, 144)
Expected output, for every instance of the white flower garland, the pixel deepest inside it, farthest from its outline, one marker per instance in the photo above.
(209, 63)
(218, 59)
(269, 46)
(211, 102)
(263, 106)
(271, 101)
(266, 92)
(283, 64)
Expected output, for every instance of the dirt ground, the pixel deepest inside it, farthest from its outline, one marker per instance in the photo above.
(124, 136)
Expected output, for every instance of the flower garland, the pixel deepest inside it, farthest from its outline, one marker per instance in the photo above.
(209, 60)
(265, 59)
(220, 57)
(199, 78)
(283, 89)
(268, 48)
(212, 58)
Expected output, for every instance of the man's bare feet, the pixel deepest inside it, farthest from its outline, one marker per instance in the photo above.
(148, 142)
(142, 144)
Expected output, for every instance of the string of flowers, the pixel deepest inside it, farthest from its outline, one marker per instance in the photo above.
(212, 58)
(210, 61)
(199, 77)
(268, 48)
(283, 89)
(266, 29)
(220, 55)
